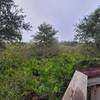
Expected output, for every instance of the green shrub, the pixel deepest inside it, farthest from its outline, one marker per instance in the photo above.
(22, 75)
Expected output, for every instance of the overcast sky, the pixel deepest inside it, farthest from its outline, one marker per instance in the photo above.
(62, 14)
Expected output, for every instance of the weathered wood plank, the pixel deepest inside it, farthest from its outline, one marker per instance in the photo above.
(77, 89)
(93, 81)
(95, 93)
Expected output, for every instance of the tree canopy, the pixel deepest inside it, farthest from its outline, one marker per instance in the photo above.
(11, 22)
(89, 29)
(46, 35)
(45, 40)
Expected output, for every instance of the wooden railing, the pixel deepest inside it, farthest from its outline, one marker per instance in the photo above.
(77, 89)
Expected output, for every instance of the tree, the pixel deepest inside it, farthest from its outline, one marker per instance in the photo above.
(88, 30)
(11, 22)
(45, 41)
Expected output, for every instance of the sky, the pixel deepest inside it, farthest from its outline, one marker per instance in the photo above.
(63, 15)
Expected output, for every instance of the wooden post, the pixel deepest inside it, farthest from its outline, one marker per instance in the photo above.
(77, 89)
(95, 93)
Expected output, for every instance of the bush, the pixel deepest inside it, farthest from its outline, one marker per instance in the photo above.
(22, 76)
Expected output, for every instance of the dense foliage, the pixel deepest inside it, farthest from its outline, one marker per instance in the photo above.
(22, 74)
(11, 22)
(45, 41)
(37, 70)
(89, 29)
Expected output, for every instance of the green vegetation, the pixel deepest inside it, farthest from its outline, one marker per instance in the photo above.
(22, 74)
(88, 30)
(11, 22)
(45, 41)
(42, 69)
